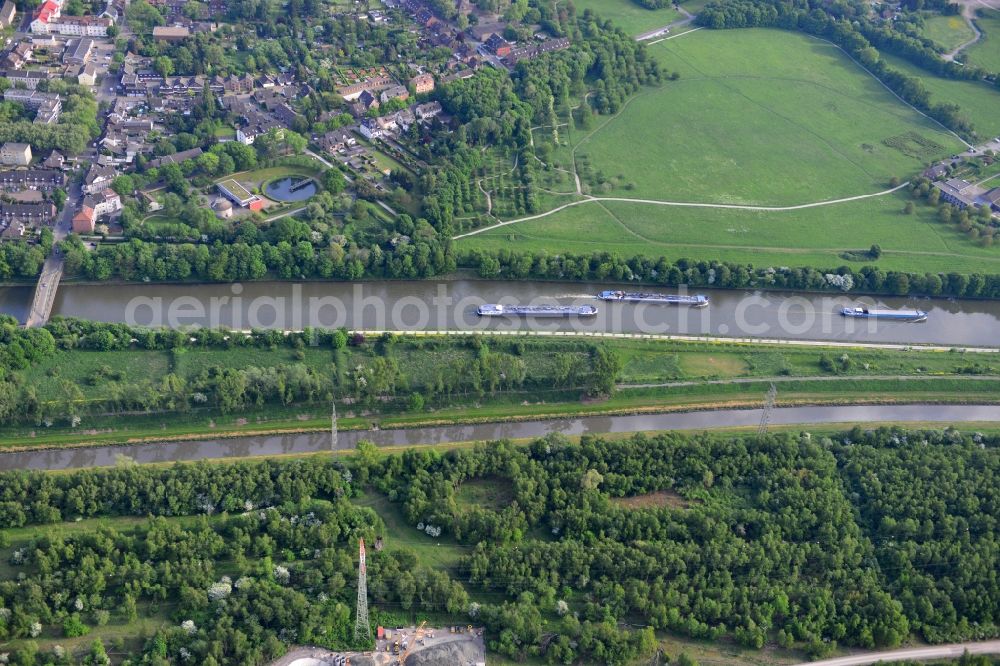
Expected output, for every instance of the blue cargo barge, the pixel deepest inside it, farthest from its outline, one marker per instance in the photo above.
(873, 313)
(695, 301)
(497, 310)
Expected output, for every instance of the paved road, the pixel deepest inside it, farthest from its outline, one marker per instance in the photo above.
(48, 281)
(689, 338)
(936, 652)
(807, 378)
(688, 17)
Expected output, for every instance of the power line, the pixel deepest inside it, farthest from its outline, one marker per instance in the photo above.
(362, 629)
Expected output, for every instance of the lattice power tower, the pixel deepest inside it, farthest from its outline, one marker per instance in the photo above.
(765, 418)
(361, 627)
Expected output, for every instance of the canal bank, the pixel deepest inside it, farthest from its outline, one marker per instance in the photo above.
(317, 442)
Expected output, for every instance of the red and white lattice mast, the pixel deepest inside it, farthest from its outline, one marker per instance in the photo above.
(362, 630)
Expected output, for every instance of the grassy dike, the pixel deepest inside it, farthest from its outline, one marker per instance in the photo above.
(654, 376)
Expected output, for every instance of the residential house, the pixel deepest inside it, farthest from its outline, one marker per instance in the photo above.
(286, 114)
(376, 128)
(256, 123)
(87, 76)
(176, 158)
(482, 31)
(375, 82)
(956, 191)
(170, 33)
(529, 51)
(497, 46)
(98, 179)
(78, 51)
(422, 83)
(48, 111)
(84, 220)
(14, 231)
(394, 92)
(368, 101)
(7, 14)
(55, 160)
(31, 214)
(32, 99)
(31, 179)
(105, 202)
(15, 154)
(94, 206)
(336, 140)
(28, 79)
(46, 12)
(19, 56)
(89, 26)
(992, 198)
(427, 111)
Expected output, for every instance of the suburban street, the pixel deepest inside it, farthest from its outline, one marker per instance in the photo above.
(936, 652)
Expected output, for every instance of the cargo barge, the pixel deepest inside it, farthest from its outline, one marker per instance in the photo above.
(695, 301)
(497, 310)
(873, 313)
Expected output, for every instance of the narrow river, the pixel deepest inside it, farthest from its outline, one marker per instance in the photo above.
(239, 447)
(439, 305)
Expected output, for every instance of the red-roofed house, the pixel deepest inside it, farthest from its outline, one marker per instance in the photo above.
(83, 222)
(45, 13)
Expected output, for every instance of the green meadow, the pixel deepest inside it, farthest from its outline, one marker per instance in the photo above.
(749, 105)
(948, 32)
(978, 101)
(758, 117)
(811, 237)
(629, 15)
(986, 52)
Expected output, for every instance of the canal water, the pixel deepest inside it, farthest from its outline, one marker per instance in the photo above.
(451, 304)
(240, 447)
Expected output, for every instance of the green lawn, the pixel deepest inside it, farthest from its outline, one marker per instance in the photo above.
(810, 237)
(759, 117)
(95, 371)
(628, 14)
(986, 52)
(492, 493)
(978, 101)
(442, 553)
(948, 32)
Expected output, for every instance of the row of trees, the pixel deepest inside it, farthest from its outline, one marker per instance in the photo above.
(514, 265)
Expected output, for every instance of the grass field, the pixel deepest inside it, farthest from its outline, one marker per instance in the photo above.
(727, 132)
(629, 15)
(750, 104)
(979, 101)
(810, 237)
(948, 32)
(986, 52)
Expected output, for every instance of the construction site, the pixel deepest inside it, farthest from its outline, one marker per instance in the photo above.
(403, 646)
(399, 646)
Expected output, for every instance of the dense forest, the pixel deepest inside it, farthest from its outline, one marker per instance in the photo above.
(863, 539)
